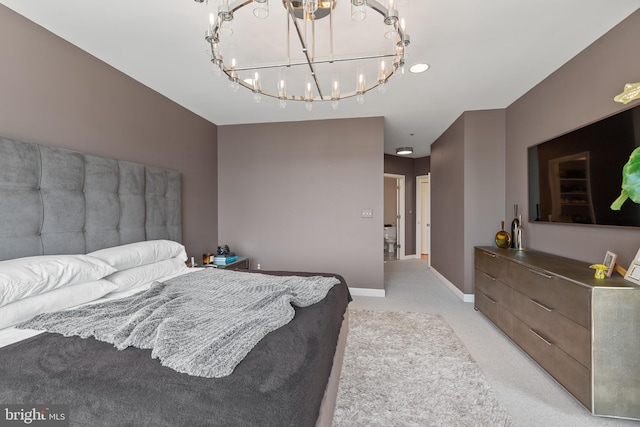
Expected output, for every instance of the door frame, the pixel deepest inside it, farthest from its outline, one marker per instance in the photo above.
(401, 210)
(419, 216)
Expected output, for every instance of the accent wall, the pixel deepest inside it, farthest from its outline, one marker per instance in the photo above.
(56, 94)
(579, 93)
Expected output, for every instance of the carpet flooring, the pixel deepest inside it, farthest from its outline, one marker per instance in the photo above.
(410, 369)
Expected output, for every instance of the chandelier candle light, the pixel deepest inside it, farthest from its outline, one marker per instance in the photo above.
(321, 53)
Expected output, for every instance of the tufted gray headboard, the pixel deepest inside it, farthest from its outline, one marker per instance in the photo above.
(57, 201)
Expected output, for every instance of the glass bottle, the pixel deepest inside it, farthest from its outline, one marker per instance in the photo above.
(514, 228)
(520, 233)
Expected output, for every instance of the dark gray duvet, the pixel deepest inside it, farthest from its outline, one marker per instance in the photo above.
(280, 383)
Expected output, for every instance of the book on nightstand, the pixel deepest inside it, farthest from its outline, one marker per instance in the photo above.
(223, 260)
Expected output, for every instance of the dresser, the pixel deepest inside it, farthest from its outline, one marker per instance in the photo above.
(585, 332)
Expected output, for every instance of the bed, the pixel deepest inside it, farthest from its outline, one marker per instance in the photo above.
(68, 208)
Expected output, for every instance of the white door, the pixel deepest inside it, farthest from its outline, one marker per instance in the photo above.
(425, 216)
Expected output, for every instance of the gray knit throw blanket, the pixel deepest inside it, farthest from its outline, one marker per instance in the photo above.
(202, 324)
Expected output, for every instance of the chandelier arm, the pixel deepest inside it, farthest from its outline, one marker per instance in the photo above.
(382, 10)
(305, 50)
(288, 35)
(313, 40)
(375, 5)
(238, 4)
(331, 32)
(324, 61)
(215, 33)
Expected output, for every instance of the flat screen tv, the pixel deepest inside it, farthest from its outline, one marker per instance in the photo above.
(575, 177)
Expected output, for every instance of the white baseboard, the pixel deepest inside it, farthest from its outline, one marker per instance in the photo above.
(367, 292)
(464, 297)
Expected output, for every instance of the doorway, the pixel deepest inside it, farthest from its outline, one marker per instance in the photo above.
(423, 217)
(394, 202)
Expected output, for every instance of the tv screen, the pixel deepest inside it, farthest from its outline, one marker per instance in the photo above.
(575, 177)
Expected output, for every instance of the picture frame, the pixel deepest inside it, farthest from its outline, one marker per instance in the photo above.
(633, 273)
(610, 262)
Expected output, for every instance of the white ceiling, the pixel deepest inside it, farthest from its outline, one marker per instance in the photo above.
(483, 55)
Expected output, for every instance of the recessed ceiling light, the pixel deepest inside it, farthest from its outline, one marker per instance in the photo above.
(403, 151)
(419, 68)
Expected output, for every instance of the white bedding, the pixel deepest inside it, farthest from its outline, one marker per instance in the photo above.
(21, 278)
(11, 335)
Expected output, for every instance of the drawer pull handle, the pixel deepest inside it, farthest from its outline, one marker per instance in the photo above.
(540, 336)
(488, 254)
(540, 273)
(542, 306)
(488, 276)
(490, 300)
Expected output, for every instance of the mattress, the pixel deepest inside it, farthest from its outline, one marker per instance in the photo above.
(281, 382)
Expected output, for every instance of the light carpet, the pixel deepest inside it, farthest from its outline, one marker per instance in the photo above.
(410, 369)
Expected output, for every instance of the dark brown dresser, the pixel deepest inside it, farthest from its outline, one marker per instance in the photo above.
(585, 332)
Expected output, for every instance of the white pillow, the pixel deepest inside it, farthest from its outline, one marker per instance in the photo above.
(140, 253)
(25, 277)
(137, 276)
(25, 309)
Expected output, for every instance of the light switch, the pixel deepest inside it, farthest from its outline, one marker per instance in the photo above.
(366, 213)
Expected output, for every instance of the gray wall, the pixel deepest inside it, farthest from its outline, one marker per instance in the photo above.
(578, 93)
(291, 195)
(448, 203)
(467, 186)
(55, 94)
(390, 201)
(484, 183)
(422, 165)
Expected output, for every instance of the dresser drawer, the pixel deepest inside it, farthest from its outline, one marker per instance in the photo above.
(502, 318)
(571, 337)
(563, 296)
(571, 374)
(491, 263)
(493, 288)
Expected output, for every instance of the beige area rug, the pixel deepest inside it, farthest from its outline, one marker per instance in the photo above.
(410, 369)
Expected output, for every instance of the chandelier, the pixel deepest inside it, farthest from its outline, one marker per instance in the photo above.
(307, 50)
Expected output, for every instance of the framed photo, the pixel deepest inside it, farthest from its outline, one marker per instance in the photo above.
(609, 261)
(633, 273)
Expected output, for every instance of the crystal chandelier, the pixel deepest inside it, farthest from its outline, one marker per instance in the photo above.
(307, 50)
